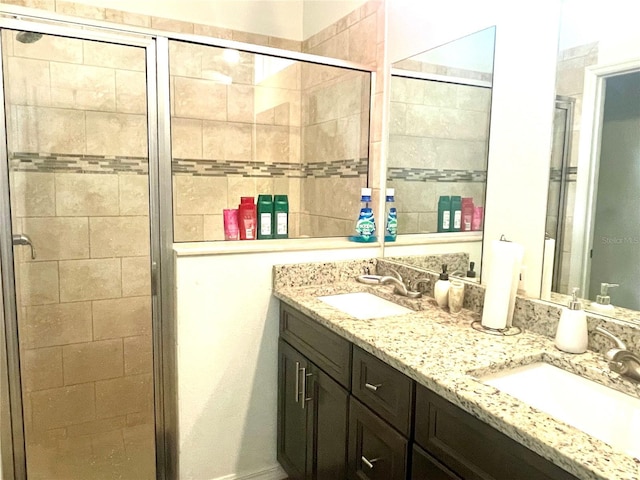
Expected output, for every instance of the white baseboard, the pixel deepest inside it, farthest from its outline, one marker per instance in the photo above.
(273, 473)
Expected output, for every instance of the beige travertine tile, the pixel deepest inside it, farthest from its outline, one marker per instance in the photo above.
(78, 10)
(121, 317)
(171, 25)
(185, 59)
(129, 129)
(97, 426)
(58, 238)
(412, 152)
(119, 236)
(140, 418)
(40, 4)
(408, 222)
(134, 194)
(42, 368)
(32, 194)
(90, 279)
(213, 227)
(397, 118)
(418, 196)
(91, 361)
(123, 395)
(200, 195)
(51, 49)
(247, 187)
(248, 37)
(86, 194)
(138, 355)
(205, 99)
(211, 31)
(122, 57)
(228, 141)
(428, 222)
(28, 82)
(57, 324)
(93, 88)
(186, 138)
(60, 407)
(108, 447)
(188, 228)
(272, 143)
(39, 283)
(136, 276)
(127, 18)
(240, 103)
(50, 130)
(285, 44)
(140, 442)
(131, 92)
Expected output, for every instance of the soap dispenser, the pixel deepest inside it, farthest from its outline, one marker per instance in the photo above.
(603, 301)
(441, 288)
(572, 335)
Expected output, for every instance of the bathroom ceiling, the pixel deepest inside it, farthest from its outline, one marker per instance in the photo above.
(293, 19)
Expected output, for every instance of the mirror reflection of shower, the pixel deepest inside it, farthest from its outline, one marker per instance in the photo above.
(28, 37)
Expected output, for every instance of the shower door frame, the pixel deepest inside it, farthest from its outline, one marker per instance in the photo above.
(161, 231)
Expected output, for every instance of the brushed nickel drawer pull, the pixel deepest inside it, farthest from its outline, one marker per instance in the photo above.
(373, 387)
(297, 381)
(369, 463)
(305, 399)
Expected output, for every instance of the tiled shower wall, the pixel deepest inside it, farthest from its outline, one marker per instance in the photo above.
(570, 83)
(438, 140)
(78, 153)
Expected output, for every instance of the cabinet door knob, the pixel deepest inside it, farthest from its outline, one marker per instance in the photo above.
(373, 387)
(369, 463)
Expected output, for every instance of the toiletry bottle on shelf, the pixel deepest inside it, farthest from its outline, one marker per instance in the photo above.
(471, 273)
(603, 301)
(444, 213)
(478, 217)
(391, 227)
(366, 224)
(441, 288)
(456, 213)
(467, 213)
(572, 335)
(280, 216)
(265, 217)
(230, 221)
(247, 218)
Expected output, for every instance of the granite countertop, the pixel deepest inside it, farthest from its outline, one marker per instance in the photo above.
(442, 352)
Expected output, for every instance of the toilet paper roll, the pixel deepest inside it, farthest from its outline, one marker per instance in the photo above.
(502, 284)
(547, 268)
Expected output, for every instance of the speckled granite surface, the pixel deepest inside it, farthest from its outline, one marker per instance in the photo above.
(442, 352)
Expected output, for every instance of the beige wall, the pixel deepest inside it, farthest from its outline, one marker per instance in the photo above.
(76, 115)
(438, 135)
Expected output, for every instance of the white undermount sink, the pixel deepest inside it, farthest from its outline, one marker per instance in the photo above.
(364, 306)
(602, 412)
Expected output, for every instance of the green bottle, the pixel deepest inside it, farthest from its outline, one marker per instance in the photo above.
(444, 214)
(265, 217)
(281, 216)
(456, 214)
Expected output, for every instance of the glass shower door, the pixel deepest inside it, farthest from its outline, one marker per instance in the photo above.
(77, 142)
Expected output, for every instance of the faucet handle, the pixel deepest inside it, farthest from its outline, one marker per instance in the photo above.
(414, 284)
(396, 274)
(604, 332)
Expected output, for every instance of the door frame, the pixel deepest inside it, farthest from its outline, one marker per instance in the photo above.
(161, 238)
(588, 166)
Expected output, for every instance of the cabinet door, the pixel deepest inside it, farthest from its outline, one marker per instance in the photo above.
(376, 450)
(292, 417)
(329, 438)
(425, 467)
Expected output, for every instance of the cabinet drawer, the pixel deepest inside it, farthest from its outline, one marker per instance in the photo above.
(376, 450)
(425, 467)
(325, 349)
(473, 449)
(383, 389)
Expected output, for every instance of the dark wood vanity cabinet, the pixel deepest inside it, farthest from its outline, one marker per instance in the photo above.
(345, 414)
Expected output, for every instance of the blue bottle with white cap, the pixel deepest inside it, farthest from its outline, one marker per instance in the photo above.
(366, 224)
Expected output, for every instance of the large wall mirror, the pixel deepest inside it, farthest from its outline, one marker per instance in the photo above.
(440, 108)
(592, 214)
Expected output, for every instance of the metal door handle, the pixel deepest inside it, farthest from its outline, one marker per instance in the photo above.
(305, 399)
(372, 387)
(22, 239)
(367, 462)
(297, 381)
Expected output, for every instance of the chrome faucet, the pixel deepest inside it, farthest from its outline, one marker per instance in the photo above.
(620, 359)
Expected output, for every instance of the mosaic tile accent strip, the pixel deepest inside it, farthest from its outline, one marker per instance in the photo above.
(555, 174)
(436, 175)
(77, 163)
(224, 168)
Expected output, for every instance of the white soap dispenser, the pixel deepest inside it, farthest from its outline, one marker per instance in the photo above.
(441, 288)
(572, 335)
(603, 301)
